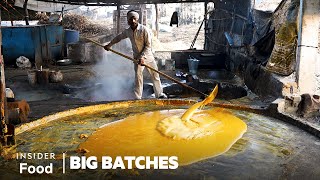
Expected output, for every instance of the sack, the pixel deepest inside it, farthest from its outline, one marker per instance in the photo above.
(55, 76)
(23, 62)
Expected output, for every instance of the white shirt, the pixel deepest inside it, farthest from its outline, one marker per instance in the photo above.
(141, 42)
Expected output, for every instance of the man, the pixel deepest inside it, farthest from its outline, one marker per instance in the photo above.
(140, 38)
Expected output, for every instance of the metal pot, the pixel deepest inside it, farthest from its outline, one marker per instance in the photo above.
(64, 62)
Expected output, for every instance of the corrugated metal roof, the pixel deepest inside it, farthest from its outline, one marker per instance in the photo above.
(116, 2)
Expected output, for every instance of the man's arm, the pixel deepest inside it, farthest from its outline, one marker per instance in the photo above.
(115, 40)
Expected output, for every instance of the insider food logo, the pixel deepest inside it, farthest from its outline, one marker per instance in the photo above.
(92, 162)
(35, 169)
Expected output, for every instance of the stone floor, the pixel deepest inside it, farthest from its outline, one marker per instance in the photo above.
(301, 160)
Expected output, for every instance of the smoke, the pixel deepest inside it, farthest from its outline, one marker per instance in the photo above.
(114, 76)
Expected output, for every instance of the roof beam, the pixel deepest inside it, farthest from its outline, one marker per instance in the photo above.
(115, 2)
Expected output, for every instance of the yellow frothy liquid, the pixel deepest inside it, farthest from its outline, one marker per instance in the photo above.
(137, 136)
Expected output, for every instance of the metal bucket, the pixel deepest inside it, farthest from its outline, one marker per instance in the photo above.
(169, 65)
(32, 77)
(193, 65)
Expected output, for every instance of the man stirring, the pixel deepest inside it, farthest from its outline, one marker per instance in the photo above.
(140, 38)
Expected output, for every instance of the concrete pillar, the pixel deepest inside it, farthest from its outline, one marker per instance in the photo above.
(307, 50)
(205, 20)
(118, 19)
(318, 68)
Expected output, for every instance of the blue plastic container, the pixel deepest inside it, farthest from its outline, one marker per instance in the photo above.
(37, 43)
(70, 36)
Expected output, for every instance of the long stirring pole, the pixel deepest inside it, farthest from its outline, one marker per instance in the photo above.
(149, 67)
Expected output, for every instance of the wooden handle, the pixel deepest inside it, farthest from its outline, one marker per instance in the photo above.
(161, 73)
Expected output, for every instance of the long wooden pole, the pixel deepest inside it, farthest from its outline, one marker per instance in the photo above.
(3, 125)
(157, 19)
(159, 72)
(3, 98)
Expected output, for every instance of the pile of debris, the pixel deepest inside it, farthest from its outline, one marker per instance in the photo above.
(42, 17)
(74, 22)
(85, 26)
(80, 23)
(95, 29)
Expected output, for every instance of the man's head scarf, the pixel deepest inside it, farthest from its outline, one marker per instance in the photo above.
(132, 13)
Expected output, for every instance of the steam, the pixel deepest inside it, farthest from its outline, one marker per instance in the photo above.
(114, 76)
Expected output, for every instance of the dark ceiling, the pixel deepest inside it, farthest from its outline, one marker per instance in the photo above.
(116, 2)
